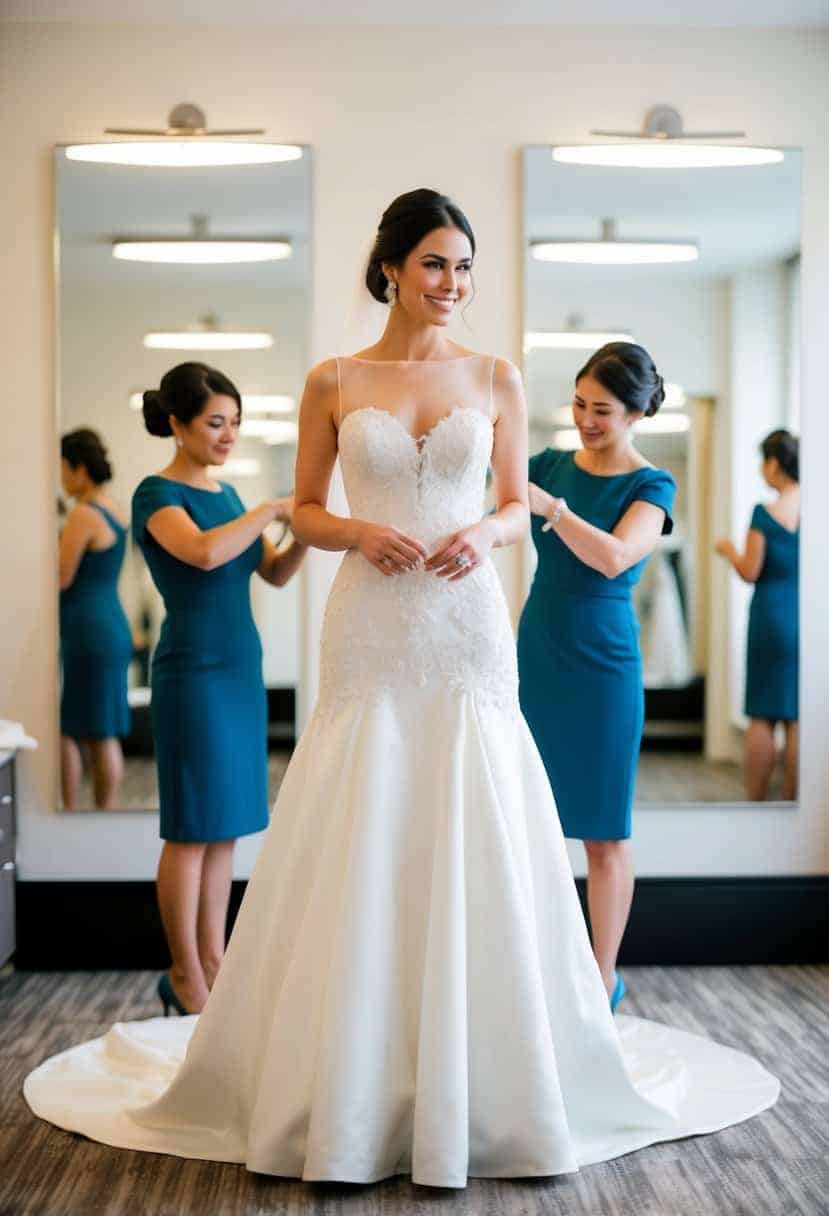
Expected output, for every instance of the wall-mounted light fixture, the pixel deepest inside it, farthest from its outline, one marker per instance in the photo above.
(661, 145)
(185, 143)
(200, 248)
(609, 250)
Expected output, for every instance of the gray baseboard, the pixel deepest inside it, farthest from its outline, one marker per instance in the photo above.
(82, 926)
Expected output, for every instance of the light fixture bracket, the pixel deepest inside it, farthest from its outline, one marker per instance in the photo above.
(183, 121)
(665, 122)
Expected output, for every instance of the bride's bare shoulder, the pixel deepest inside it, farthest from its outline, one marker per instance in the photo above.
(506, 377)
(322, 378)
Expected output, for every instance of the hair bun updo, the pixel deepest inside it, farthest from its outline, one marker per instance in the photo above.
(627, 371)
(403, 225)
(183, 393)
(657, 397)
(156, 418)
(85, 447)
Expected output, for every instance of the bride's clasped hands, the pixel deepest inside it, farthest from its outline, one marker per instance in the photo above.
(388, 549)
(464, 551)
(393, 552)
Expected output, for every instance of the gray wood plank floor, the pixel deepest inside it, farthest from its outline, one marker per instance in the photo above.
(776, 1163)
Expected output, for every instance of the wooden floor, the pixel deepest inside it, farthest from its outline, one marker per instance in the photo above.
(775, 1163)
(663, 777)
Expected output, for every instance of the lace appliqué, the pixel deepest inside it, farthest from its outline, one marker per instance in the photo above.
(416, 629)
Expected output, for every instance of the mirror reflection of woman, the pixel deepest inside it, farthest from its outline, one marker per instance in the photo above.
(598, 514)
(770, 560)
(95, 639)
(209, 712)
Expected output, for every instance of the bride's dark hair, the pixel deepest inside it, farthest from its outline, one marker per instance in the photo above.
(403, 225)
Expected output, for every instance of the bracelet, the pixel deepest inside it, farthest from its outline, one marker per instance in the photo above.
(553, 518)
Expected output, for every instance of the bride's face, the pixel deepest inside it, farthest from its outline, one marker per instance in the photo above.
(436, 277)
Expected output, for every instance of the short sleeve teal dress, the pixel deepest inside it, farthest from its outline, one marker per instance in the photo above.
(209, 713)
(772, 690)
(95, 644)
(579, 663)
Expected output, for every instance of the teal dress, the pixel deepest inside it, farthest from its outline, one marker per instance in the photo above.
(209, 713)
(95, 644)
(579, 663)
(772, 690)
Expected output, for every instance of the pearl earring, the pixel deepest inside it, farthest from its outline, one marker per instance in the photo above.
(391, 293)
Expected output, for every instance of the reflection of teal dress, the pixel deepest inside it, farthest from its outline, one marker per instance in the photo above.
(95, 644)
(208, 696)
(772, 661)
(578, 652)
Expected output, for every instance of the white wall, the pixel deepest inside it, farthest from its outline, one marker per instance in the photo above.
(384, 110)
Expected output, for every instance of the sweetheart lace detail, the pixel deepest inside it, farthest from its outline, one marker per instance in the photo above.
(419, 440)
(415, 630)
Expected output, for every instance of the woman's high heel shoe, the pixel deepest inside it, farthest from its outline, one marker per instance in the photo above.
(619, 991)
(167, 996)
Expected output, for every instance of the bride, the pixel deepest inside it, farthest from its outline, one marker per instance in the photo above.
(409, 987)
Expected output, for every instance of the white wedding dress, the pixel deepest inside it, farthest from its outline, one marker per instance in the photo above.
(409, 987)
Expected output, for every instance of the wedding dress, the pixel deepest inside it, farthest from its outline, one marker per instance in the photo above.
(409, 987)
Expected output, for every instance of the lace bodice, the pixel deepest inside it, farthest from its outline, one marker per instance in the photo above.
(414, 628)
(430, 484)
(426, 488)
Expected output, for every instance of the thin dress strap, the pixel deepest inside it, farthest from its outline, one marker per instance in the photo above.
(339, 394)
(491, 375)
(109, 518)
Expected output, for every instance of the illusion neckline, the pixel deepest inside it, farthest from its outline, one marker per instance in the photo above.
(410, 362)
(419, 441)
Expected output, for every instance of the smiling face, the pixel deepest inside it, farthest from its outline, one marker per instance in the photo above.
(209, 437)
(435, 278)
(603, 420)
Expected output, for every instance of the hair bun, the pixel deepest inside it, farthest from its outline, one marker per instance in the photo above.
(657, 397)
(156, 417)
(376, 281)
(85, 447)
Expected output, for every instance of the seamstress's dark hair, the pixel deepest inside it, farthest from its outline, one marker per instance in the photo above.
(85, 447)
(784, 447)
(183, 393)
(629, 373)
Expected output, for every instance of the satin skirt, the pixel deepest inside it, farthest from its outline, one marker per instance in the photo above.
(409, 987)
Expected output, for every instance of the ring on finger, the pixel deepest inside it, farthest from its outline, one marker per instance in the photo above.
(462, 561)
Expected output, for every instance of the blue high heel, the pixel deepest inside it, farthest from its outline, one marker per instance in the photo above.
(619, 991)
(167, 996)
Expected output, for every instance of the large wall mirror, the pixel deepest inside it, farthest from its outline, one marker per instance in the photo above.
(723, 328)
(114, 310)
